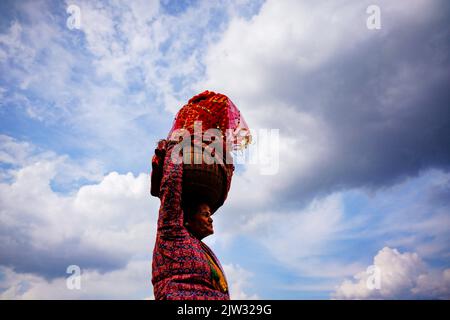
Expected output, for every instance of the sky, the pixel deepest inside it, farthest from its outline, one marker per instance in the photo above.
(356, 201)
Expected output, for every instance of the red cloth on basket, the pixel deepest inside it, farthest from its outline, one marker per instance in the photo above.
(215, 111)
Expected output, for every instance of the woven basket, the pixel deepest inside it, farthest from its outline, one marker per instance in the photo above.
(204, 183)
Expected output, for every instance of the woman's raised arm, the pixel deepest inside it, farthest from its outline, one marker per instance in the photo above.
(170, 220)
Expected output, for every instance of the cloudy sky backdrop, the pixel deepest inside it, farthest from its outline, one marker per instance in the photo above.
(364, 143)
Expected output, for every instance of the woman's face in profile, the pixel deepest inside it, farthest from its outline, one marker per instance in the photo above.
(200, 224)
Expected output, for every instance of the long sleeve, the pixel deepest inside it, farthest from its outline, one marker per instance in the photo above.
(170, 220)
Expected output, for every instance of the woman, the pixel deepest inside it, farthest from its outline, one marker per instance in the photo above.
(183, 266)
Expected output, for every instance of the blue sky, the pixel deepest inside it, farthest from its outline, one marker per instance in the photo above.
(363, 163)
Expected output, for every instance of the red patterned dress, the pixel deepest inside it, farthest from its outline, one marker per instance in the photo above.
(183, 268)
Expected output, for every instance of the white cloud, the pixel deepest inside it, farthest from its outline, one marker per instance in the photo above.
(239, 280)
(120, 35)
(300, 35)
(403, 276)
(313, 70)
(289, 33)
(317, 240)
(20, 154)
(131, 282)
(264, 64)
(111, 83)
(297, 239)
(114, 219)
(302, 240)
(127, 37)
(101, 225)
(412, 214)
(14, 152)
(267, 65)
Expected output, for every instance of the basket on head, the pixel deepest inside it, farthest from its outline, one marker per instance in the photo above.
(204, 182)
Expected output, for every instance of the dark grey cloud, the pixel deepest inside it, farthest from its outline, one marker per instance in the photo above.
(18, 251)
(386, 103)
(439, 194)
